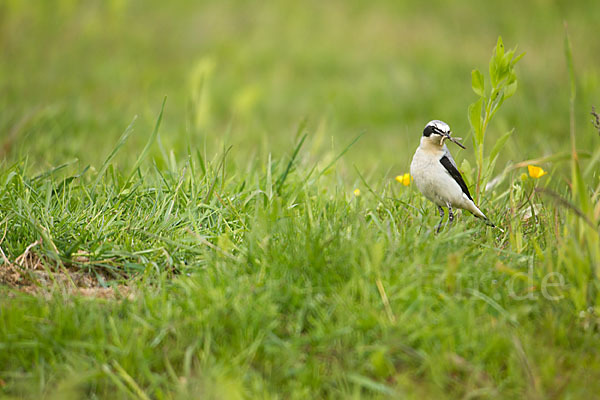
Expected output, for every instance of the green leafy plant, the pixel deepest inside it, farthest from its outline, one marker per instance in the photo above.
(502, 85)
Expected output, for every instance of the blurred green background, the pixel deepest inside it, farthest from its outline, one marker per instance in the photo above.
(73, 74)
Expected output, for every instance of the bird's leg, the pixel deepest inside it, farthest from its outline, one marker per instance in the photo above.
(439, 226)
(450, 215)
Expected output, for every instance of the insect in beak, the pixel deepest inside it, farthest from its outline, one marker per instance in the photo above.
(453, 140)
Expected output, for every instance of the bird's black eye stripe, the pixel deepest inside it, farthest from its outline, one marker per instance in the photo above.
(429, 129)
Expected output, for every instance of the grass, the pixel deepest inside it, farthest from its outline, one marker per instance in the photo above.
(238, 260)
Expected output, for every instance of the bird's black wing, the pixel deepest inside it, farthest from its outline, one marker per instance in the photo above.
(453, 171)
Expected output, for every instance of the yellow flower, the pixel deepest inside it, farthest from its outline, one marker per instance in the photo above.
(356, 192)
(536, 172)
(404, 179)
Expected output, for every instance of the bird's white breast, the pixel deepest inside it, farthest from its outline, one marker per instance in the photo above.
(433, 180)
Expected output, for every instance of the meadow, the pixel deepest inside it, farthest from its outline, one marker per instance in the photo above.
(199, 200)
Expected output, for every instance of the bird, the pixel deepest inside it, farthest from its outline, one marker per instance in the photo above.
(436, 175)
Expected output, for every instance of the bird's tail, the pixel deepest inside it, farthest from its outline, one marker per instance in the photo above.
(490, 223)
(477, 212)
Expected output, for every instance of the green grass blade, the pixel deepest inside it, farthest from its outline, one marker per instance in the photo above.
(340, 155)
(114, 152)
(149, 144)
(281, 180)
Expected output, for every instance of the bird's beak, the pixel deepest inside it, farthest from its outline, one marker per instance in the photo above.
(454, 140)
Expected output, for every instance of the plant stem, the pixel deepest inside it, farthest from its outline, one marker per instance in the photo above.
(486, 120)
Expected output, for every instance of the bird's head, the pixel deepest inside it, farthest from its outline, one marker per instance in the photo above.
(436, 132)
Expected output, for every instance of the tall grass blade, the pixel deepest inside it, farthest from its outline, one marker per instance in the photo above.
(149, 144)
(579, 189)
(281, 180)
(53, 170)
(114, 152)
(213, 183)
(340, 155)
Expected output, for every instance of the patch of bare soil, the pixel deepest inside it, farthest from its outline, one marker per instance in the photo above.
(28, 274)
